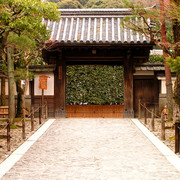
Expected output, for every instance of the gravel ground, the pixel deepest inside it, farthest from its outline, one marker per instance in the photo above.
(16, 136)
(93, 149)
(169, 133)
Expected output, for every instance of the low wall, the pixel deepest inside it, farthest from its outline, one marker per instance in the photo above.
(95, 111)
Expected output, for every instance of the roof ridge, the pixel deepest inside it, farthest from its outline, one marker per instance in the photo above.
(97, 10)
(120, 11)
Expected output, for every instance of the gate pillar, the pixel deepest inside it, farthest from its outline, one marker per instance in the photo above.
(128, 88)
(60, 87)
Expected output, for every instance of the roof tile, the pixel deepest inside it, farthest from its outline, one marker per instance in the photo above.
(89, 26)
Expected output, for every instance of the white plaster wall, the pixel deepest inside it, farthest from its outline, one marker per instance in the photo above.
(27, 91)
(15, 92)
(6, 88)
(163, 84)
(156, 52)
(50, 84)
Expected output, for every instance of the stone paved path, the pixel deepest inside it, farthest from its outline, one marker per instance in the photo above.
(92, 149)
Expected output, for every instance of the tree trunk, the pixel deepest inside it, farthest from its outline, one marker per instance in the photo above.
(176, 34)
(177, 90)
(26, 81)
(11, 84)
(176, 31)
(3, 40)
(19, 112)
(177, 100)
(169, 92)
(25, 87)
(3, 96)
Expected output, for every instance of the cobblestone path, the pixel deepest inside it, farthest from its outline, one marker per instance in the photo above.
(92, 149)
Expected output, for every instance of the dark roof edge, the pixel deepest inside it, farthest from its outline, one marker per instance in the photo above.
(122, 11)
(100, 43)
(98, 11)
(150, 64)
(42, 68)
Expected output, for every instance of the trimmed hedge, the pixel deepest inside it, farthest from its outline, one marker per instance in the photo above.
(94, 85)
(156, 59)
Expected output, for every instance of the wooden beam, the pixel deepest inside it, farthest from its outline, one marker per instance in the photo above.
(83, 63)
(128, 87)
(32, 92)
(59, 87)
(94, 58)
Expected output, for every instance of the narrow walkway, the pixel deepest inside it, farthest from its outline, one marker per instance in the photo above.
(92, 149)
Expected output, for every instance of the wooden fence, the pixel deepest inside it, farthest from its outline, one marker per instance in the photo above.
(4, 111)
(164, 117)
(31, 115)
(94, 111)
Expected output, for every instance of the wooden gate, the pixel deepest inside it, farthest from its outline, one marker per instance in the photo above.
(147, 91)
(94, 111)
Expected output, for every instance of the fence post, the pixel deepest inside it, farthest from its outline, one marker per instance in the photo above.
(46, 111)
(139, 109)
(145, 117)
(152, 120)
(40, 111)
(42, 104)
(23, 125)
(8, 135)
(162, 127)
(32, 118)
(177, 137)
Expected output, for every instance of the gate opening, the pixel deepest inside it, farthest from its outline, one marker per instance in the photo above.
(94, 91)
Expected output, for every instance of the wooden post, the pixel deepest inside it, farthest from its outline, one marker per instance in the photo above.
(46, 111)
(145, 114)
(152, 120)
(60, 87)
(42, 103)
(11, 99)
(8, 135)
(162, 127)
(32, 118)
(23, 125)
(139, 109)
(32, 105)
(40, 114)
(128, 86)
(177, 138)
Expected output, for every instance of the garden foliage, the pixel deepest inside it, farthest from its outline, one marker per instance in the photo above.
(94, 85)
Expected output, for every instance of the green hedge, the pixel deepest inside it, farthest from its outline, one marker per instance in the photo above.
(156, 59)
(94, 85)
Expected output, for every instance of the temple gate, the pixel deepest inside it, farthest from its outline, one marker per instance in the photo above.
(94, 37)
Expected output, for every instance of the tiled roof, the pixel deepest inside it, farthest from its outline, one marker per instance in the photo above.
(42, 68)
(150, 67)
(92, 26)
(138, 67)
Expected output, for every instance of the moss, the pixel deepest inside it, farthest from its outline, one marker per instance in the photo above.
(3, 120)
(13, 126)
(18, 119)
(172, 138)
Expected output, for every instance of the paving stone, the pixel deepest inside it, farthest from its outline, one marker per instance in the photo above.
(92, 149)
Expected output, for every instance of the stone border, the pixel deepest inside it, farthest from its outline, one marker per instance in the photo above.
(8, 163)
(170, 155)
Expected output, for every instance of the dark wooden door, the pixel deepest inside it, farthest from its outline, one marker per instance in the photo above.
(147, 90)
